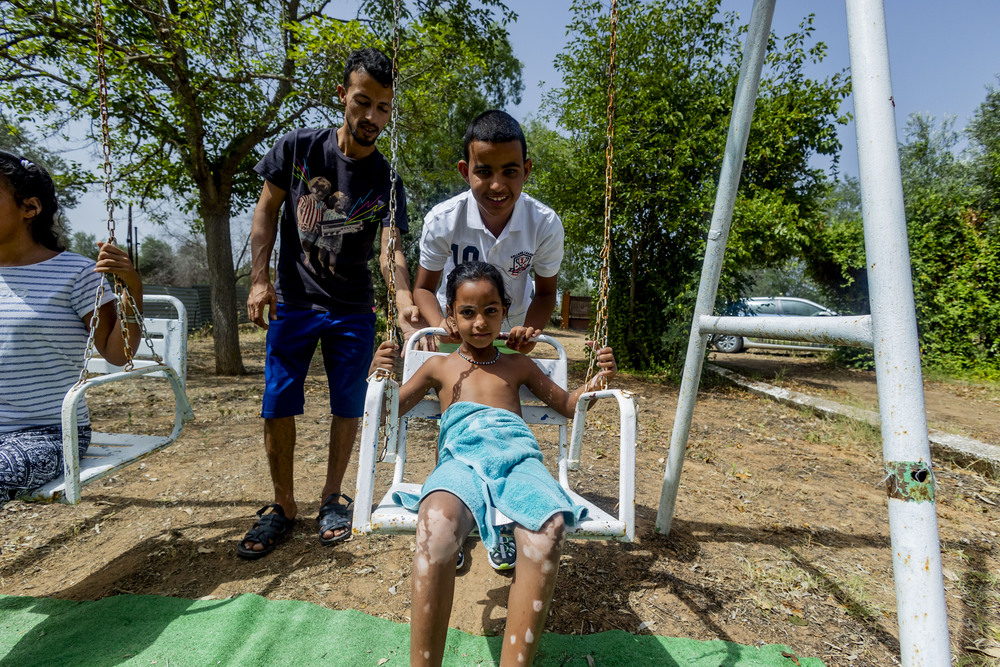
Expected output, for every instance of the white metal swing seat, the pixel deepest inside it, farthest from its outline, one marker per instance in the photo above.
(389, 517)
(110, 452)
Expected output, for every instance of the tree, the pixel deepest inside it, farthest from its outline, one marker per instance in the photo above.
(197, 91)
(953, 244)
(83, 244)
(835, 255)
(552, 155)
(190, 262)
(954, 253)
(678, 67)
(156, 262)
(984, 131)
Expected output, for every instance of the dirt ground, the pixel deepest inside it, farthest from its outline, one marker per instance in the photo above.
(781, 532)
(968, 409)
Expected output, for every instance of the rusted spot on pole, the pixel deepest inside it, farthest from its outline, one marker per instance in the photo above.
(912, 481)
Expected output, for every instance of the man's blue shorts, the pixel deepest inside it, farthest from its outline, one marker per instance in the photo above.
(347, 342)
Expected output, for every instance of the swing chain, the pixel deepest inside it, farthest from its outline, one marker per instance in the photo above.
(392, 314)
(601, 319)
(124, 300)
(102, 80)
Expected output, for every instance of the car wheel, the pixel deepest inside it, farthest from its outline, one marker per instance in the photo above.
(729, 343)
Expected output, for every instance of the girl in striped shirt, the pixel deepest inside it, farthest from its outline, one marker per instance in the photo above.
(47, 298)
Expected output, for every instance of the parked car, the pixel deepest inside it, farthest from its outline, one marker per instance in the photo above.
(771, 306)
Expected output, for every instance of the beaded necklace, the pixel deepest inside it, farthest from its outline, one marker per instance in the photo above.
(480, 363)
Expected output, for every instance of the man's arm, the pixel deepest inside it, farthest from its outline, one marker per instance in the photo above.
(410, 319)
(263, 233)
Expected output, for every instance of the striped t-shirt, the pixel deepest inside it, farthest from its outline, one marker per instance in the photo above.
(43, 337)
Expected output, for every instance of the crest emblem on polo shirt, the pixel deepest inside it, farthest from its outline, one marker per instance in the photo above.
(520, 263)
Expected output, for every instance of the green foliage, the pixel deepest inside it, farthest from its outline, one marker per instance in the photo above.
(676, 78)
(156, 261)
(552, 156)
(984, 131)
(836, 253)
(84, 244)
(954, 246)
(954, 252)
(199, 90)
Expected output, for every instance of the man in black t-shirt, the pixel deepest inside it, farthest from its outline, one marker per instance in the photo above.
(332, 186)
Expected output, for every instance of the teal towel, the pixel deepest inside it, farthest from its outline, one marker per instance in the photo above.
(489, 458)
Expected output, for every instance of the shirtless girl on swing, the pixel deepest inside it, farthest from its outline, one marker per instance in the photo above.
(484, 442)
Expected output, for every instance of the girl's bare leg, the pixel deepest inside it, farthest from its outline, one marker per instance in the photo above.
(442, 525)
(531, 593)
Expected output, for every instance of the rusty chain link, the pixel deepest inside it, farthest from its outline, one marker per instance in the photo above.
(102, 85)
(124, 298)
(601, 319)
(392, 314)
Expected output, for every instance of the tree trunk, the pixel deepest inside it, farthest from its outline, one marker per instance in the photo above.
(218, 246)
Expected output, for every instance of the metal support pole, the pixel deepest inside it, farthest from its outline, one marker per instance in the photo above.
(754, 51)
(916, 551)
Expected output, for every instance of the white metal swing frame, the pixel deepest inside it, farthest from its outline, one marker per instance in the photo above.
(389, 517)
(110, 452)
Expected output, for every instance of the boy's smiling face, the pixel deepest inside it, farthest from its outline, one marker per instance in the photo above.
(496, 173)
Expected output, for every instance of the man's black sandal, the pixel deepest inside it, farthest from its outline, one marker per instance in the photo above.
(269, 530)
(333, 517)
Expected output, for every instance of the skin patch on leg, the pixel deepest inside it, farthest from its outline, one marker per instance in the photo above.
(537, 605)
(436, 518)
(512, 640)
(520, 658)
(427, 655)
(529, 636)
(531, 552)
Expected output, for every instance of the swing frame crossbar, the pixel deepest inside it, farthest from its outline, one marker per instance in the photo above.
(382, 401)
(110, 452)
(890, 331)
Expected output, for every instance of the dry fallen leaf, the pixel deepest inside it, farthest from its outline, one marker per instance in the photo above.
(205, 550)
(793, 657)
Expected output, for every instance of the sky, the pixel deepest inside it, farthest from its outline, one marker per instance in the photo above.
(942, 56)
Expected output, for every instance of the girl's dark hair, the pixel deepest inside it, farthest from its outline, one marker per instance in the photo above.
(25, 180)
(473, 271)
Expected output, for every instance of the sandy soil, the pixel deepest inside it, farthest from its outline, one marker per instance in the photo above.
(968, 409)
(780, 536)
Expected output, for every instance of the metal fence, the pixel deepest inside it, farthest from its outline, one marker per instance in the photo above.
(198, 301)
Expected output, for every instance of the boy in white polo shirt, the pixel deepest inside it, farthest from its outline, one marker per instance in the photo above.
(494, 222)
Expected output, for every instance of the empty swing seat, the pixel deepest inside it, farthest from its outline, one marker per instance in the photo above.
(389, 517)
(110, 452)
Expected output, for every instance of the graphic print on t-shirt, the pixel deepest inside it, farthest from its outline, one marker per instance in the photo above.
(520, 262)
(324, 217)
